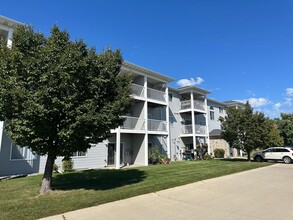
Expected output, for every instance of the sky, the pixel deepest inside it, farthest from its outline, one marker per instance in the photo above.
(236, 49)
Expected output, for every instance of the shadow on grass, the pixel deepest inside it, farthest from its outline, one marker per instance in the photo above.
(236, 159)
(97, 179)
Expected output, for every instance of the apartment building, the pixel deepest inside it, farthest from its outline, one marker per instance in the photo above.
(171, 120)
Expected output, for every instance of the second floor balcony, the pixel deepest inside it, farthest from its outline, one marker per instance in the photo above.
(157, 125)
(199, 129)
(138, 124)
(133, 123)
(198, 105)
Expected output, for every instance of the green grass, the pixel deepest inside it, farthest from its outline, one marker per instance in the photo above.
(19, 198)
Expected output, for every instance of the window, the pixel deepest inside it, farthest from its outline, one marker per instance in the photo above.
(171, 120)
(3, 35)
(282, 150)
(212, 115)
(21, 153)
(221, 110)
(170, 95)
(79, 154)
(211, 107)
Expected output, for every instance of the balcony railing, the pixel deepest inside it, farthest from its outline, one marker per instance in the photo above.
(157, 125)
(187, 129)
(199, 105)
(156, 95)
(137, 90)
(199, 129)
(133, 123)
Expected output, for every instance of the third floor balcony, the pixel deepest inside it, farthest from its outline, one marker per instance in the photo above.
(138, 91)
(198, 105)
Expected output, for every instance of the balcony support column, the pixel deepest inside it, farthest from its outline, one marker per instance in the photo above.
(193, 120)
(168, 124)
(118, 135)
(146, 138)
(207, 125)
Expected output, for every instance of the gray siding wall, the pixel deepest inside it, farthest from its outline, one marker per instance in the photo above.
(12, 167)
(175, 125)
(96, 158)
(138, 144)
(215, 124)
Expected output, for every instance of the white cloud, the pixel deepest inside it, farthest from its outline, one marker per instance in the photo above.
(288, 101)
(258, 102)
(190, 82)
(277, 106)
(289, 92)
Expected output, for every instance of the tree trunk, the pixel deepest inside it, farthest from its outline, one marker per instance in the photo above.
(47, 177)
(248, 156)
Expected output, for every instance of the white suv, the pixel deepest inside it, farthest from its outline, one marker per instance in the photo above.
(275, 153)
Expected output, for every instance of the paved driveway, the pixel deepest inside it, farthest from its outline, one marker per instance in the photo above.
(265, 193)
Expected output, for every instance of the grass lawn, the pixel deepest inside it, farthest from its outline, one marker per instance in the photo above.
(20, 199)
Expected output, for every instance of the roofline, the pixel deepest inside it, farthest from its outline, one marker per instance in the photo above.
(193, 88)
(148, 72)
(9, 22)
(233, 102)
(215, 101)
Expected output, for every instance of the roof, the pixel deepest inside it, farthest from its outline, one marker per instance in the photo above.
(9, 22)
(234, 103)
(216, 133)
(133, 67)
(188, 89)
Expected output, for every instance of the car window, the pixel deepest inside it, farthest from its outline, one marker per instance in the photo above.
(282, 150)
(269, 150)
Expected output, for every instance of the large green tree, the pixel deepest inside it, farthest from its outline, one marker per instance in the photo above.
(247, 130)
(286, 128)
(57, 96)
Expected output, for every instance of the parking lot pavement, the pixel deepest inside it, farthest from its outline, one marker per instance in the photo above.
(264, 193)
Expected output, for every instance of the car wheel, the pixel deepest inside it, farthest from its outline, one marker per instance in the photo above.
(287, 160)
(258, 159)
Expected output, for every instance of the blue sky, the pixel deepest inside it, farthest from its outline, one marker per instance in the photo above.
(237, 49)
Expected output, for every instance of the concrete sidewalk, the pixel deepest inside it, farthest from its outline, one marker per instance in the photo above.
(265, 193)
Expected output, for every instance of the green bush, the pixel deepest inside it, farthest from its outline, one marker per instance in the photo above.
(55, 168)
(207, 157)
(219, 153)
(67, 165)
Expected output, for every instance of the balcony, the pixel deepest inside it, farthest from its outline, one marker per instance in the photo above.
(156, 95)
(137, 90)
(157, 125)
(133, 123)
(198, 105)
(199, 129)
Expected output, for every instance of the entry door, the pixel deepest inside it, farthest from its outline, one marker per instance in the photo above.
(112, 153)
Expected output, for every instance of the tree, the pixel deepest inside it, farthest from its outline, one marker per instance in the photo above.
(286, 128)
(248, 130)
(57, 96)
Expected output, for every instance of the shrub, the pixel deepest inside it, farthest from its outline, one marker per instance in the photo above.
(219, 153)
(67, 165)
(207, 157)
(55, 168)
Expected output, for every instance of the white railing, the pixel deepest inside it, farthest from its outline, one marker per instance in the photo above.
(186, 105)
(187, 129)
(199, 105)
(137, 90)
(156, 95)
(157, 125)
(199, 129)
(133, 123)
